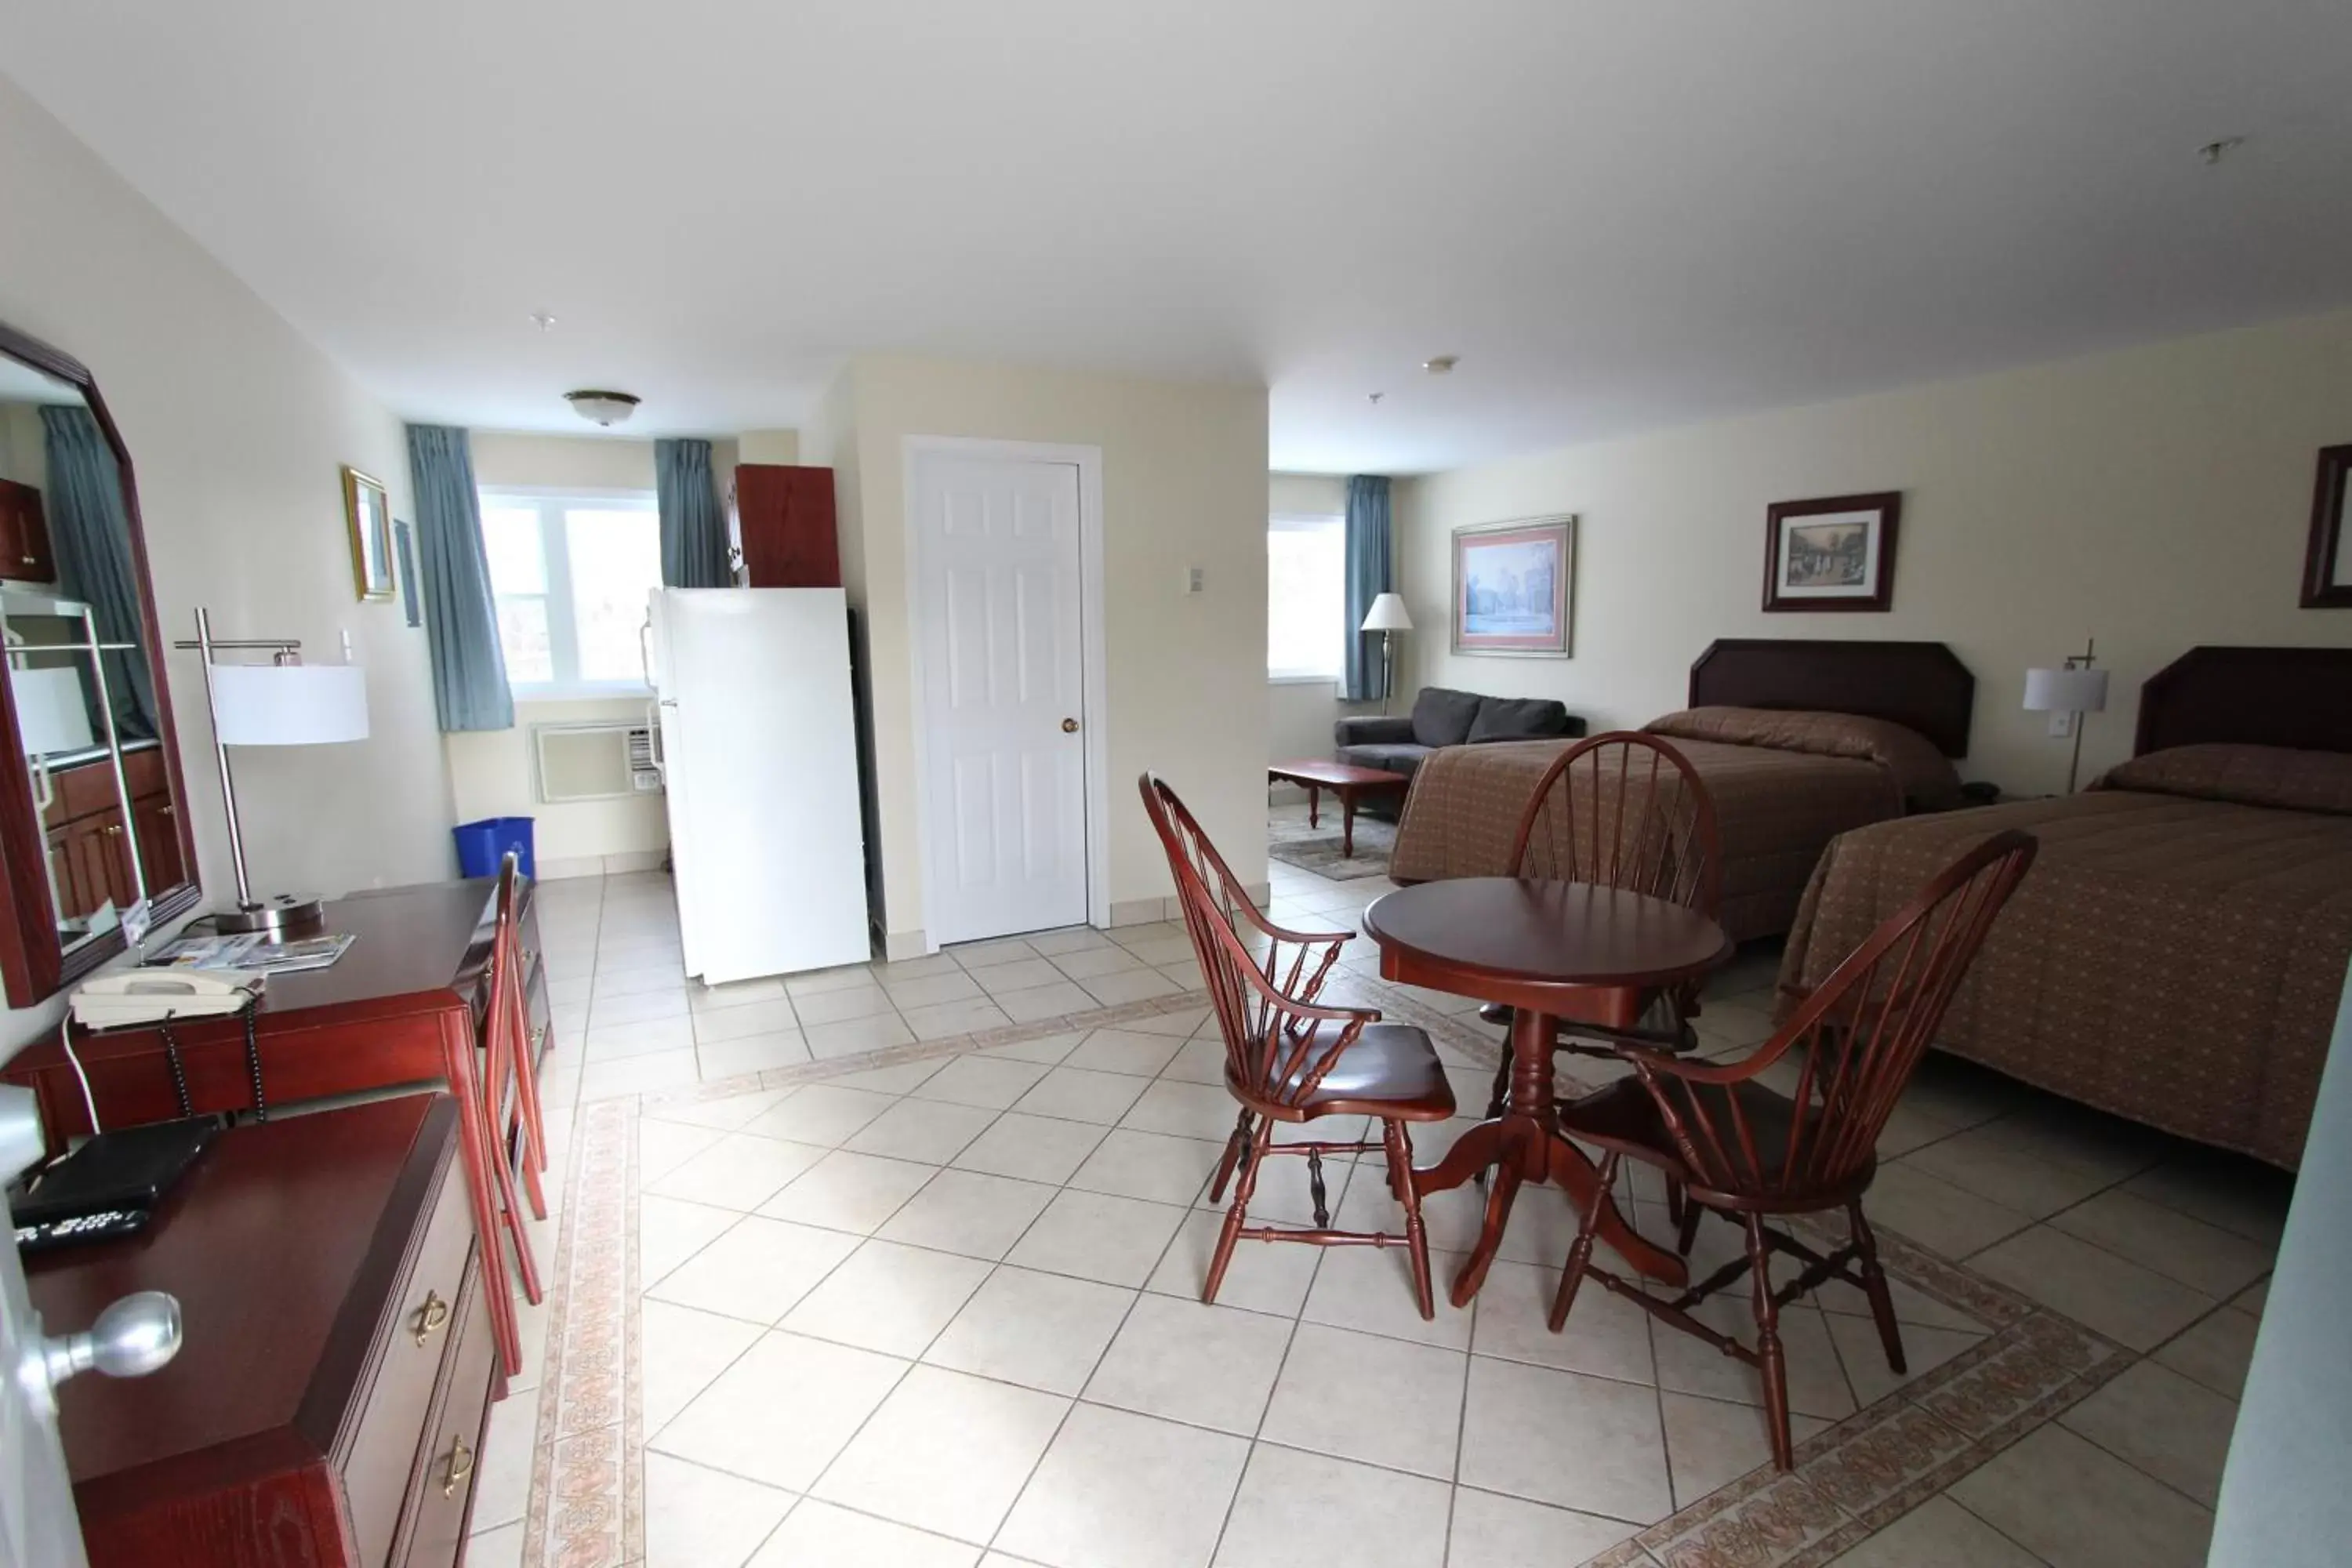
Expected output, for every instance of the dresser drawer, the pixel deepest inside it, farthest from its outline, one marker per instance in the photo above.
(383, 1453)
(453, 1444)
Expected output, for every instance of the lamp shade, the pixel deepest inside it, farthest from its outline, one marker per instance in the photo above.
(288, 704)
(50, 716)
(1387, 615)
(2065, 690)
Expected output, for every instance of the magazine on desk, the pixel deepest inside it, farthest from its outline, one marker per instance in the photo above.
(252, 953)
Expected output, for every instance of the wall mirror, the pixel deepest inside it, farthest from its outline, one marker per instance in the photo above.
(93, 831)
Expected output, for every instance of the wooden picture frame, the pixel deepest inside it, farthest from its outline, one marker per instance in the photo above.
(2328, 562)
(367, 512)
(1514, 587)
(1834, 553)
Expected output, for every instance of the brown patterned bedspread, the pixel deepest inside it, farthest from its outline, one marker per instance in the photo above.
(2173, 961)
(1775, 811)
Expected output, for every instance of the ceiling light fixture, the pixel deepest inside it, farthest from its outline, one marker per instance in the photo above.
(1442, 366)
(606, 408)
(2213, 152)
(543, 320)
(1376, 397)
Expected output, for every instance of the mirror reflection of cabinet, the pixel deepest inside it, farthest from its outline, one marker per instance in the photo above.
(91, 826)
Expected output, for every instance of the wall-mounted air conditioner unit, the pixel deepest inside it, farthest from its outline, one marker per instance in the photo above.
(594, 762)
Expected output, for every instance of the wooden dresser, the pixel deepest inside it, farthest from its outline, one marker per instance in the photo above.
(327, 1404)
(412, 986)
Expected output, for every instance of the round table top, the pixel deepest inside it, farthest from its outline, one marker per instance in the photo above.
(1546, 933)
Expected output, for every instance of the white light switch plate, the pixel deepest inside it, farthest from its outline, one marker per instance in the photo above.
(2061, 724)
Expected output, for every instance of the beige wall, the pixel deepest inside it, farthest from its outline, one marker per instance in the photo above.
(769, 447)
(1316, 494)
(536, 461)
(236, 426)
(1183, 485)
(2154, 500)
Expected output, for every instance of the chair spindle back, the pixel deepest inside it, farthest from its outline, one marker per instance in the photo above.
(1858, 1038)
(1624, 810)
(1279, 1044)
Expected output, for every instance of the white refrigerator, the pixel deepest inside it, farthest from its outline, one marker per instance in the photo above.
(758, 753)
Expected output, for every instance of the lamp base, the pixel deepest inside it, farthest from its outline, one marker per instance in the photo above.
(282, 914)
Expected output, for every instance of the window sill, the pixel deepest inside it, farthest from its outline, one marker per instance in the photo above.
(583, 691)
(1303, 679)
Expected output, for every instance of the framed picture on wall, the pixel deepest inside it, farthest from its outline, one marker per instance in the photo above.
(367, 511)
(2328, 565)
(1512, 586)
(1835, 553)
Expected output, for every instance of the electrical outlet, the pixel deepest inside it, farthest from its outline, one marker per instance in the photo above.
(2061, 724)
(1193, 578)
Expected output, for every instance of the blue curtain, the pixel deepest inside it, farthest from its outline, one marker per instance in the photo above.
(461, 618)
(89, 529)
(1368, 579)
(693, 534)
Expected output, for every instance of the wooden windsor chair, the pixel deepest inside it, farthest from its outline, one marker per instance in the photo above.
(1742, 1151)
(1289, 1060)
(510, 1137)
(1623, 810)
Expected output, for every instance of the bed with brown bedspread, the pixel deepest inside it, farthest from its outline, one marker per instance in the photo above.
(2177, 952)
(1786, 775)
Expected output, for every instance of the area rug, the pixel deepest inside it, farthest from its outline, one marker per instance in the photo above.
(586, 1501)
(1316, 849)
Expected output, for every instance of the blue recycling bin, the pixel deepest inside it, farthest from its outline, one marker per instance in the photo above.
(482, 846)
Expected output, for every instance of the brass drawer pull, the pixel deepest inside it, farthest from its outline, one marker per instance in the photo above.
(527, 954)
(461, 1466)
(429, 1317)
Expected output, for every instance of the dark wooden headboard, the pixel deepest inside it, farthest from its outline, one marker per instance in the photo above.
(2298, 697)
(1921, 685)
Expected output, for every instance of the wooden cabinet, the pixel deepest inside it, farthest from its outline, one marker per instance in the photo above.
(783, 523)
(327, 1404)
(25, 553)
(90, 844)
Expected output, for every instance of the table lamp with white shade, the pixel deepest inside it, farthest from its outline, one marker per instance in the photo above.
(2067, 694)
(1388, 617)
(282, 703)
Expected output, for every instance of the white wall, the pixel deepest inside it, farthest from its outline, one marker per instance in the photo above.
(1185, 480)
(2155, 499)
(534, 461)
(236, 427)
(2283, 1502)
(493, 772)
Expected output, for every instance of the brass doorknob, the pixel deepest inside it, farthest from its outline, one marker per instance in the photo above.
(1069, 726)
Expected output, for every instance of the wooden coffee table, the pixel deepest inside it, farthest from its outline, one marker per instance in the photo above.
(1343, 779)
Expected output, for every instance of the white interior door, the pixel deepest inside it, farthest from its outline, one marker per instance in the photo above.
(998, 598)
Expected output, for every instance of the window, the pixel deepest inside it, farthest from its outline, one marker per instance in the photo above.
(572, 574)
(1306, 597)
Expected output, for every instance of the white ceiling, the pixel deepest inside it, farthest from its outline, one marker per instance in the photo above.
(1619, 214)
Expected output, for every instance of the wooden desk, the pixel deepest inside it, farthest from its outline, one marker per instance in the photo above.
(330, 1393)
(1546, 950)
(411, 987)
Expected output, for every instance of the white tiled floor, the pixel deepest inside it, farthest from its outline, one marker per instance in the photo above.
(949, 1308)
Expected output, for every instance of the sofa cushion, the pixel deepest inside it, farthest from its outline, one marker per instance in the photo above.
(1518, 719)
(1442, 717)
(1393, 757)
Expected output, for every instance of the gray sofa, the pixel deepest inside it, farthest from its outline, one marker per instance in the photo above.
(1443, 717)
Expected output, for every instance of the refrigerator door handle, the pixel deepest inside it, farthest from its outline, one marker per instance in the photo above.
(646, 650)
(654, 740)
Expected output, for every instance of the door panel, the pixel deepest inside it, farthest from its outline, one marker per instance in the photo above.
(998, 591)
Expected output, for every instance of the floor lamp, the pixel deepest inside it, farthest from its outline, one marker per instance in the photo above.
(282, 703)
(1387, 618)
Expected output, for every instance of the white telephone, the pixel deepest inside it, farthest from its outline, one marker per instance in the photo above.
(128, 996)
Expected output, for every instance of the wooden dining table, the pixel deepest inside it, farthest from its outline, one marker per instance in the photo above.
(1553, 952)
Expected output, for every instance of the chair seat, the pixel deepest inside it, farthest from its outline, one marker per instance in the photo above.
(1625, 1116)
(1390, 1071)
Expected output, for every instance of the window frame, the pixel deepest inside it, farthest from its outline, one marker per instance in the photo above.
(1316, 522)
(552, 501)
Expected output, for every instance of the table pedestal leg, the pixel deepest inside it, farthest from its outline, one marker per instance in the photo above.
(1522, 1146)
(1314, 807)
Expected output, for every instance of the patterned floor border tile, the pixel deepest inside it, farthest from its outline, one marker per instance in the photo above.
(587, 1510)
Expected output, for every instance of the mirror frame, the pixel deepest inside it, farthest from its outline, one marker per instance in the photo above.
(33, 967)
